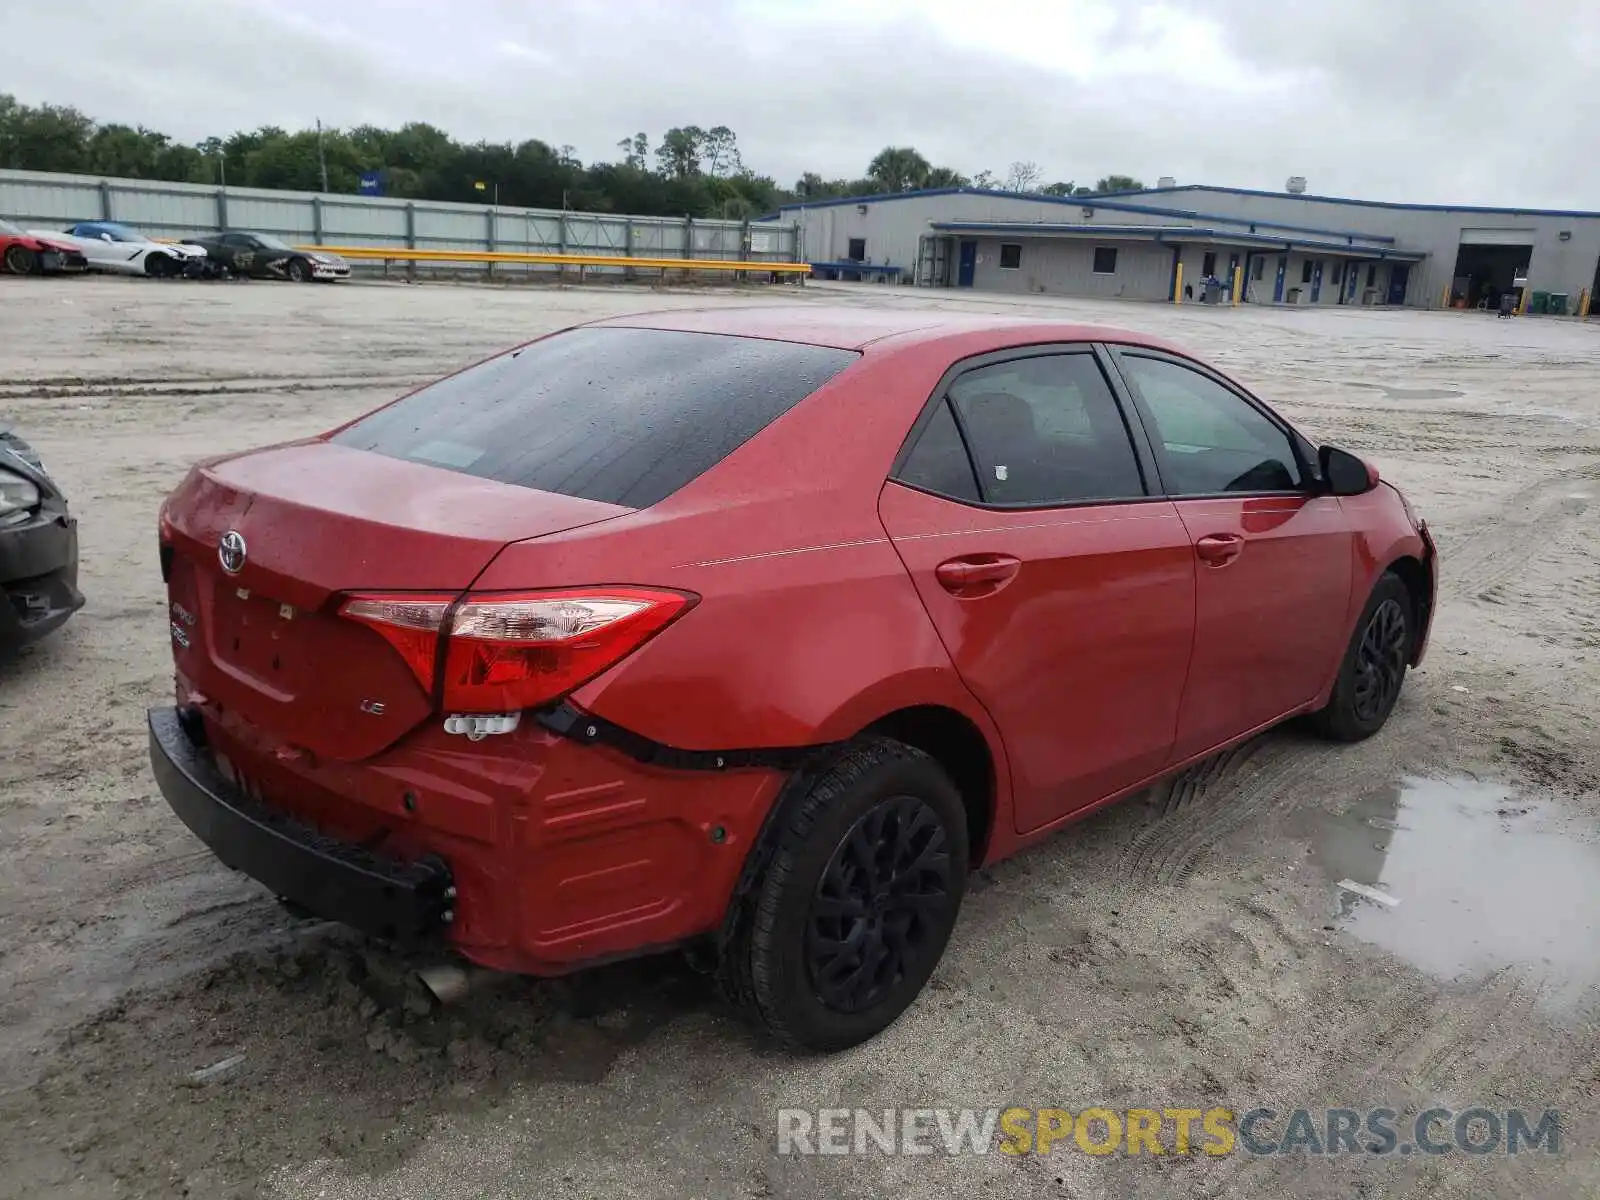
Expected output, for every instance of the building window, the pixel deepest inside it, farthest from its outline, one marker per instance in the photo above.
(1372, 274)
(858, 250)
(1305, 271)
(1010, 256)
(1208, 265)
(1258, 268)
(1105, 260)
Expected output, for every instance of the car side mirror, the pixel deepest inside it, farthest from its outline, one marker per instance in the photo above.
(105, 237)
(1343, 474)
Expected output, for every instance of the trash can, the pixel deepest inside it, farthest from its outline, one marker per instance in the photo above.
(1559, 303)
(1539, 302)
(1294, 295)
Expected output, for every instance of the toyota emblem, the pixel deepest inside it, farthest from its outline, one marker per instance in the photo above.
(230, 551)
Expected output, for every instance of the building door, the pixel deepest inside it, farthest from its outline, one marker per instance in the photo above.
(1277, 285)
(1233, 265)
(1316, 281)
(968, 264)
(1352, 277)
(1399, 276)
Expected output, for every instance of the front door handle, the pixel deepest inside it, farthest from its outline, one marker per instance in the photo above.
(1219, 549)
(974, 575)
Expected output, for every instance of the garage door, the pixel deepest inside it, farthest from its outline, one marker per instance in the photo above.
(1497, 237)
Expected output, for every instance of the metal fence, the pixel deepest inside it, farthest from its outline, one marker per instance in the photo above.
(37, 199)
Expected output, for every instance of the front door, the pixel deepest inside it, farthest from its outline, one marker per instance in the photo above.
(1399, 276)
(1316, 281)
(1063, 592)
(967, 265)
(1277, 286)
(1272, 557)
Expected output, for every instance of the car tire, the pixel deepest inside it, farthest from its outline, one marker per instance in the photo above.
(835, 937)
(1374, 666)
(160, 266)
(21, 261)
(299, 271)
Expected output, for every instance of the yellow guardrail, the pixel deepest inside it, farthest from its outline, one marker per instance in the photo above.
(404, 254)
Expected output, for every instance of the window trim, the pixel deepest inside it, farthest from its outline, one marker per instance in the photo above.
(1298, 444)
(1094, 270)
(1001, 257)
(1132, 423)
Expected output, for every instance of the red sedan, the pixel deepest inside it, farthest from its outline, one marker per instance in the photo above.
(756, 630)
(23, 253)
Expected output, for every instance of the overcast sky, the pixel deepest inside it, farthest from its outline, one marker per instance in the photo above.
(1470, 101)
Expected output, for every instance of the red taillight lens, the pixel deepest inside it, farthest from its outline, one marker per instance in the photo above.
(509, 651)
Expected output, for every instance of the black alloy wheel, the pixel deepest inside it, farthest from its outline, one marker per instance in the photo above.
(1381, 661)
(880, 907)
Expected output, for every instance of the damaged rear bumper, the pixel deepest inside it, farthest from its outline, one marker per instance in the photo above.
(341, 881)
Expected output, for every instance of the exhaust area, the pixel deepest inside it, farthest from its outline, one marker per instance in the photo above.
(451, 983)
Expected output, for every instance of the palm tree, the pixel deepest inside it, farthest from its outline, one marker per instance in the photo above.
(898, 169)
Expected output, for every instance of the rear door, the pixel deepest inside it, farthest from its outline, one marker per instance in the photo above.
(1062, 589)
(1272, 556)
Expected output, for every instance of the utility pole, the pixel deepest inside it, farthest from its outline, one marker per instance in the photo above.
(322, 160)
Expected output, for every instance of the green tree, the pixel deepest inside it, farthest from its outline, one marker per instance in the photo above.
(1057, 189)
(681, 150)
(1119, 183)
(945, 177)
(898, 169)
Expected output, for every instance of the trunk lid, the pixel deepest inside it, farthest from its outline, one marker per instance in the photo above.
(318, 521)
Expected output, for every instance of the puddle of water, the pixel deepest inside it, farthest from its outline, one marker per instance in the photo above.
(1459, 877)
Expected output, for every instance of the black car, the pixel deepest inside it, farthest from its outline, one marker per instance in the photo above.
(38, 547)
(263, 256)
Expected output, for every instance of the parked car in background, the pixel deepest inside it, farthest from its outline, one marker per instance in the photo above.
(24, 253)
(756, 630)
(38, 547)
(118, 249)
(263, 256)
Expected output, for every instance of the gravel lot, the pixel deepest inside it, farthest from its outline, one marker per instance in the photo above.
(1185, 948)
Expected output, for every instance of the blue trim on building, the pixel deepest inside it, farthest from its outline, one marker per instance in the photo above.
(1115, 199)
(1095, 202)
(1393, 204)
(1178, 233)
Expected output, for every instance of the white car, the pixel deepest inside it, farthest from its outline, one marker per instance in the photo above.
(113, 247)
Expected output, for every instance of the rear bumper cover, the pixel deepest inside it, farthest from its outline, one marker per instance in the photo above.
(38, 578)
(385, 897)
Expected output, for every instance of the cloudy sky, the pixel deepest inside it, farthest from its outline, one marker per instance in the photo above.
(1471, 101)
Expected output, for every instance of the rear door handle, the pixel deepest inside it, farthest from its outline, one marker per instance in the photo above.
(1219, 549)
(974, 575)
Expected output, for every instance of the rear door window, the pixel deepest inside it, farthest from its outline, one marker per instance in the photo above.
(1046, 430)
(623, 416)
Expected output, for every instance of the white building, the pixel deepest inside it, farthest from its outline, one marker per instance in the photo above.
(1290, 248)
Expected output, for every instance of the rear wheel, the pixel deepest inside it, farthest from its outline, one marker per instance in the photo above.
(1374, 667)
(854, 908)
(299, 270)
(21, 261)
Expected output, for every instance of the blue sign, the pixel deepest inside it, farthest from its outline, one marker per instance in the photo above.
(371, 183)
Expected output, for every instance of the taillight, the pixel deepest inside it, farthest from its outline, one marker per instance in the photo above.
(512, 650)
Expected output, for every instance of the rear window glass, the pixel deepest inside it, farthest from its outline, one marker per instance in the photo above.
(624, 416)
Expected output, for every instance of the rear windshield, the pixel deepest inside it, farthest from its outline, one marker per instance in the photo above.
(624, 416)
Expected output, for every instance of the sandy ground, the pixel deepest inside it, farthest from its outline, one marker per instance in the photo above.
(1185, 948)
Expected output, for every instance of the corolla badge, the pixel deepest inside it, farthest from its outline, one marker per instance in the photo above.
(230, 551)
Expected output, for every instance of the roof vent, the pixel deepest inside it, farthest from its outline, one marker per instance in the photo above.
(1166, 181)
(1296, 185)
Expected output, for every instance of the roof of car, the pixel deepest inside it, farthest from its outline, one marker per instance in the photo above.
(848, 328)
